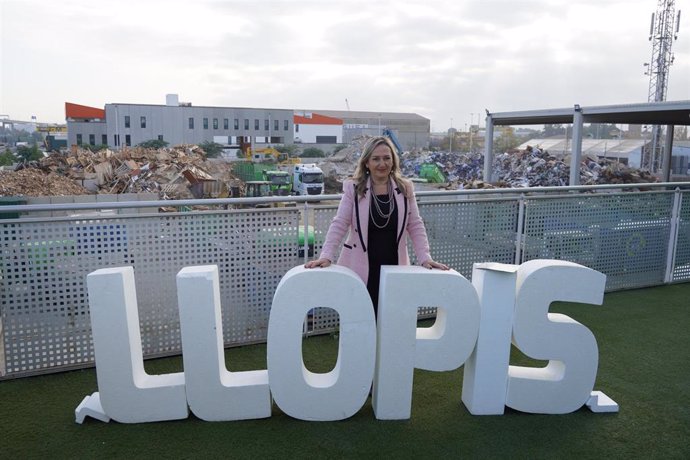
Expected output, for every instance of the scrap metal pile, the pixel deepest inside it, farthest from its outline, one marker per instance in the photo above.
(183, 172)
(173, 173)
(465, 170)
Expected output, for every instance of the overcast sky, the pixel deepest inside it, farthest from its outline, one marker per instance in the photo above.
(441, 59)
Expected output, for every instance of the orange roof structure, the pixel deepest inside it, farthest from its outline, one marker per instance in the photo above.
(83, 111)
(317, 119)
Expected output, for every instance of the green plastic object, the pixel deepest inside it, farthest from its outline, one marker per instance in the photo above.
(432, 173)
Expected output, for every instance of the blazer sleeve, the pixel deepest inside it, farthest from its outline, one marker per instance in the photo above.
(417, 231)
(340, 223)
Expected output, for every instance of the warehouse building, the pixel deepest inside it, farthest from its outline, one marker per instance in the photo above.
(411, 129)
(178, 122)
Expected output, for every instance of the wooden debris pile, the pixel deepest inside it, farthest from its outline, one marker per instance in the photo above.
(34, 182)
(179, 172)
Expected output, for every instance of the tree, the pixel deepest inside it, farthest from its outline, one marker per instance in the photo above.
(153, 144)
(27, 153)
(312, 152)
(506, 141)
(7, 158)
(211, 148)
(553, 130)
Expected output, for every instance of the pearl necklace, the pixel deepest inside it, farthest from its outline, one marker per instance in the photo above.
(377, 205)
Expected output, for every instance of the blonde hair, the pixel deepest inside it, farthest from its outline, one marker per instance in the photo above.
(361, 176)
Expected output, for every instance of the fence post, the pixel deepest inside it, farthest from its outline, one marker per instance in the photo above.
(519, 231)
(673, 236)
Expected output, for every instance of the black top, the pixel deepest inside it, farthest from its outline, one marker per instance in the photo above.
(382, 245)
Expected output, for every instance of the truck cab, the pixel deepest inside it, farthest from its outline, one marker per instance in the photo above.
(307, 179)
(280, 182)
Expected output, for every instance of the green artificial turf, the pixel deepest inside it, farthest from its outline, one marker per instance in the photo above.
(644, 364)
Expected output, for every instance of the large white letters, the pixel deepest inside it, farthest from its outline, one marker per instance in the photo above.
(402, 346)
(340, 393)
(127, 393)
(564, 385)
(213, 393)
(486, 371)
(474, 325)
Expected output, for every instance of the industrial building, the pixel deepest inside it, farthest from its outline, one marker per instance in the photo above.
(413, 130)
(178, 122)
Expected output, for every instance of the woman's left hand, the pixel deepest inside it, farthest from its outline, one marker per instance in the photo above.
(431, 264)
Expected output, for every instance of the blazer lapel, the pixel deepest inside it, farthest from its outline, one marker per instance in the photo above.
(363, 217)
(401, 203)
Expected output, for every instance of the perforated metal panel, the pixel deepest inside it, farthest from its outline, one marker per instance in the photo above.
(44, 320)
(464, 232)
(322, 319)
(44, 264)
(681, 266)
(44, 304)
(624, 236)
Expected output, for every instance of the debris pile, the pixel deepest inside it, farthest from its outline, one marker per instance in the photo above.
(179, 172)
(529, 168)
(539, 168)
(34, 182)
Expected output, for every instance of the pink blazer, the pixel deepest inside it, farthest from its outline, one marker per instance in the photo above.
(352, 219)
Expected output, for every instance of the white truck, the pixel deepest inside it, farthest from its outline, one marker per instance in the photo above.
(307, 179)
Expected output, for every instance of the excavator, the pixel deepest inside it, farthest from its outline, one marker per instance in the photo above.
(390, 134)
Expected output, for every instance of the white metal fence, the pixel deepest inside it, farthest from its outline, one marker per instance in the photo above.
(637, 238)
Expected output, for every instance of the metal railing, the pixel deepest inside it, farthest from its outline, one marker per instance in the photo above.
(637, 238)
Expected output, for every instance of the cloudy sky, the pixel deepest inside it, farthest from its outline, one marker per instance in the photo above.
(441, 59)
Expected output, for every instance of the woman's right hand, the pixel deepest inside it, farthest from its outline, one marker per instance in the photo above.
(317, 263)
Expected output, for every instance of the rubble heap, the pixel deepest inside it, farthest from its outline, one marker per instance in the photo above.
(529, 168)
(170, 172)
(537, 168)
(34, 182)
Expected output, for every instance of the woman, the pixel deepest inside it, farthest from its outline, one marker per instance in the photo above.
(379, 210)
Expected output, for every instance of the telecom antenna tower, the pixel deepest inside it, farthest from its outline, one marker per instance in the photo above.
(662, 36)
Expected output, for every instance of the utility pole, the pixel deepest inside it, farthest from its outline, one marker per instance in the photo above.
(450, 135)
(662, 36)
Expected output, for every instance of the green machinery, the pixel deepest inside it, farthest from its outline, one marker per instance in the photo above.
(432, 173)
(280, 181)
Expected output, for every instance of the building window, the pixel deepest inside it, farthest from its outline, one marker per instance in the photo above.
(104, 139)
(286, 124)
(237, 123)
(116, 140)
(160, 137)
(215, 123)
(126, 121)
(205, 123)
(92, 139)
(265, 125)
(143, 122)
(128, 140)
(191, 123)
(276, 125)
(246, 123)
(256, 124)
(296, 128)
(79, 139)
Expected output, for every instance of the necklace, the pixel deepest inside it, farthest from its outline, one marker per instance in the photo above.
(377, 206)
